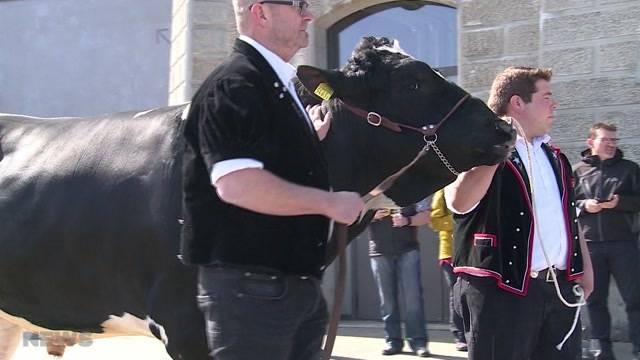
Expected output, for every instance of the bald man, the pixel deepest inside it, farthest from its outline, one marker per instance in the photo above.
(256, 195)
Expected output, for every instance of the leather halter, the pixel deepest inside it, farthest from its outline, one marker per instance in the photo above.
(429, 132)
(376, 119)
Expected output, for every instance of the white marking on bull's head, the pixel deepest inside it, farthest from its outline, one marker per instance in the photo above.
(185, 112)
(396, 49)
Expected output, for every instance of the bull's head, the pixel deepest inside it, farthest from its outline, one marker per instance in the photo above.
(381, 79)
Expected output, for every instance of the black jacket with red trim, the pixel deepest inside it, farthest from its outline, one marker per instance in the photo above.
(496, 238)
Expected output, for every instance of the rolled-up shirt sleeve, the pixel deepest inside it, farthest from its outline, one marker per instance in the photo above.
(456, 211)
(225, 167)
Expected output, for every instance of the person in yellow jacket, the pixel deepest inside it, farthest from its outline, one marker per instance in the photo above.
(442, 223)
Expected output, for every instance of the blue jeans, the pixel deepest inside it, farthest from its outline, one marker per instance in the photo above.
(401, 273)
(261, 316)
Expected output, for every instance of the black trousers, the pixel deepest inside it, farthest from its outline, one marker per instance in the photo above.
(261, 316)
(620, 259)
(456, 325)
(503, 326)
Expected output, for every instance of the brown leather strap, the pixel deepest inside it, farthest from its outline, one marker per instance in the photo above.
(340, 232)
(371, 117)
(376, 119)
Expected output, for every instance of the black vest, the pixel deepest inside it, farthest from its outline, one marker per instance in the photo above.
(496, 238)
(218, 232)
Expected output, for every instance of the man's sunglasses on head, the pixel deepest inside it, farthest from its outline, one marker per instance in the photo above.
(300, 5)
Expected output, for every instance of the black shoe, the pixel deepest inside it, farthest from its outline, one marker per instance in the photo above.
(391, 350)
(422, 352)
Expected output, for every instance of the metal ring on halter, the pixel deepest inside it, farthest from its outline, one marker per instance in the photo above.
(435, 138)
(371, 115)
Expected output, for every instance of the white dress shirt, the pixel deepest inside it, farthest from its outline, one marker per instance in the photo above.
(550, 231)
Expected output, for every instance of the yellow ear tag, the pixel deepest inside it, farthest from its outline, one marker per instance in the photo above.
(324, 91)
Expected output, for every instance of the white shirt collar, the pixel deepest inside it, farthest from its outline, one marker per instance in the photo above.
(284, 70)
(536, 143)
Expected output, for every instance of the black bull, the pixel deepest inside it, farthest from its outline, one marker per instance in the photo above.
(90, 207)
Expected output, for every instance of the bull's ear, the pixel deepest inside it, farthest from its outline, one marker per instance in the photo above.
(328, 84)
(321, 83)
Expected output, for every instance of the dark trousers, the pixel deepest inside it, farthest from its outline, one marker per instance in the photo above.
(503, 326)
(456, 325)
(261, 316)
(620, 259)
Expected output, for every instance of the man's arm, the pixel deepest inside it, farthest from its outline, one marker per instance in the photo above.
(261, 191)
(469, 188)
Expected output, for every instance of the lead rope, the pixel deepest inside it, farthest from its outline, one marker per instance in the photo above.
(577, 289)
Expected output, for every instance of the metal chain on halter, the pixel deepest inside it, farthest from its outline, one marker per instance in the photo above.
(577, 289)
(432, 144)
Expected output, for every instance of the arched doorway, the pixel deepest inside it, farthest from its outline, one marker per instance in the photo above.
(428, 31)
(425, 29)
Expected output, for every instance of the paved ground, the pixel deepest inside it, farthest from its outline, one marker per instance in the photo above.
(356, 341)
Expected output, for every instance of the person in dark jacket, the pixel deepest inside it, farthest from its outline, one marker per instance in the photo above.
(395, 262)
(608, 196)
(257, 199)
(516, 233)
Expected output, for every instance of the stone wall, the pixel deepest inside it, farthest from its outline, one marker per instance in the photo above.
(202, 35)
(593, 47)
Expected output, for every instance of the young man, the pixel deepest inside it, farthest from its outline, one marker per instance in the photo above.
(608, 195)
(256, 199)
(515, 224)
(395, 261)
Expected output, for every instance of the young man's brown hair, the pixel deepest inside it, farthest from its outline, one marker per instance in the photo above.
(601, 125)
(515, 80)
